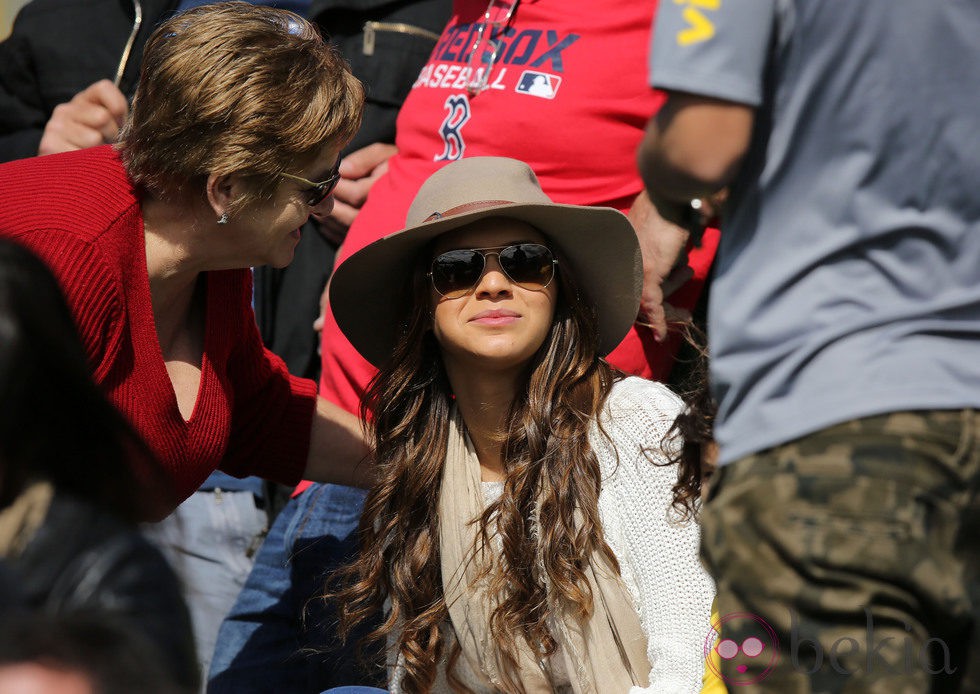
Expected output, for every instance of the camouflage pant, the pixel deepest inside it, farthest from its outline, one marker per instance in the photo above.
(848, 560)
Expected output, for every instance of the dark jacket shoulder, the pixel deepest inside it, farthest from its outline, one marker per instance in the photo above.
(56, 49)
(83, 559)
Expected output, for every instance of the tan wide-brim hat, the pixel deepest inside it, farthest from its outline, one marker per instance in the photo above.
(596, 244)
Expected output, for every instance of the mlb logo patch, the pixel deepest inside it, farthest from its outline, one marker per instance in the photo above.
(538, 84)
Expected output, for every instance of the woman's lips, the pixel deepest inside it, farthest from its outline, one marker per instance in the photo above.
(498, 316)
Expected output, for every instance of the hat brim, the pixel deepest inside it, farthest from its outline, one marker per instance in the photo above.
(599, 244)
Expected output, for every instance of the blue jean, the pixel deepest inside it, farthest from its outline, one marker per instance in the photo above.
(210, 540)
(261, 644)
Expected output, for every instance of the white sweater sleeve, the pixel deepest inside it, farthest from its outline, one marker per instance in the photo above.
(658, 553)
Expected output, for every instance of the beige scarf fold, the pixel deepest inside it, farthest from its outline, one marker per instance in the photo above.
(607, 654)
(21, 520)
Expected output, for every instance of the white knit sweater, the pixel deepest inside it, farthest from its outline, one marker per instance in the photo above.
(657, 553)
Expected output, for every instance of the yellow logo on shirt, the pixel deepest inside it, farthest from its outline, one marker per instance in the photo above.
(699, 26)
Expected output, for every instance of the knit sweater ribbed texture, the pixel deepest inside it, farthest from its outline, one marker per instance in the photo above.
(657, 552)
(80, 213)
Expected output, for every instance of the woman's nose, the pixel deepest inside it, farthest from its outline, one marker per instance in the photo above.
(494, 281)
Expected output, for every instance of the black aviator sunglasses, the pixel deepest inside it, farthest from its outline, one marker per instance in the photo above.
(456, 273)
(318, 191)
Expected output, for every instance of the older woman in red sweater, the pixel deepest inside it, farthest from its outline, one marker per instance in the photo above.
(232, 144)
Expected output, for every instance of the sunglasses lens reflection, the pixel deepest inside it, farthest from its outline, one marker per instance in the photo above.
(317, 194)
(528, 264)
(454, 273)
(322, 190)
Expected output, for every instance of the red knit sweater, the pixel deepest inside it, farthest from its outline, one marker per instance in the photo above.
(80, 213)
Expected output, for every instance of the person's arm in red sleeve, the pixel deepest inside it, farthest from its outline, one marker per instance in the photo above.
(281, 430)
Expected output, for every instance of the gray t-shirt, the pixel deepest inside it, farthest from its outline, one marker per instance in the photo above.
(848, 276)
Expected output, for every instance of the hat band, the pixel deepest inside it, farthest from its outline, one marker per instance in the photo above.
(467, 207)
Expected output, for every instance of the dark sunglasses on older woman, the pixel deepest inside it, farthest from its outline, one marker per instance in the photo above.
(318, 191)
(456, 273)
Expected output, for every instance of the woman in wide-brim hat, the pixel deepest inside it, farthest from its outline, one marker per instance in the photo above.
(523, 524)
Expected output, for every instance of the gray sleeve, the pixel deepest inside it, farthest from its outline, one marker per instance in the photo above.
(715, 48)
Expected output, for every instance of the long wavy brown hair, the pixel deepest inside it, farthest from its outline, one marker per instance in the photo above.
(693, 428)
(552, 472)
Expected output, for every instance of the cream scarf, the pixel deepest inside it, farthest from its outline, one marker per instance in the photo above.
(21, 520)
(605, 655)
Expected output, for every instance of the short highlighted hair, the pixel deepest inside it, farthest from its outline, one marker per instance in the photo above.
(235, 88)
